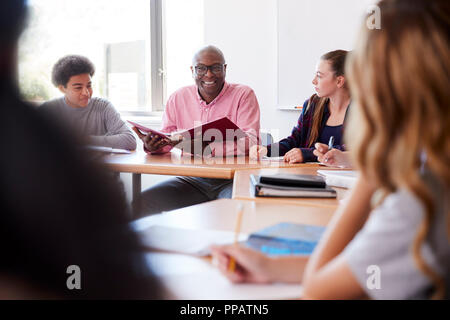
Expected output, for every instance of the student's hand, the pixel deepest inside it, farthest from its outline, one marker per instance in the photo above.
(251, 266)
(151, 142)
(332, 158)
(257, 152)
(293, 156)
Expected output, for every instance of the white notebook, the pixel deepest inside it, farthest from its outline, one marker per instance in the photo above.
(107, 149)
(276, 159)
(339, 178)
(190, 278)
(189, 241)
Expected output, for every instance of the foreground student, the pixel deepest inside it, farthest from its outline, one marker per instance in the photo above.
(58, 212)
(392, 238)
(323, 115)
(95, 117)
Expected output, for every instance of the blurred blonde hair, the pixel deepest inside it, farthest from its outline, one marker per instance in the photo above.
(399, 79)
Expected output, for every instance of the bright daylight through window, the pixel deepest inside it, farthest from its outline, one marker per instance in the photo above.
(141, 49)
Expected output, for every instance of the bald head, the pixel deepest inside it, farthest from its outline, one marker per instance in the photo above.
(208, 51)
(209, 70)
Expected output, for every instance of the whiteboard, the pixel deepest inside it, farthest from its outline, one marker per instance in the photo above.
(306, 30)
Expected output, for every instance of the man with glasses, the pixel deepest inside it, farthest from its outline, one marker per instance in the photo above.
(211, 98)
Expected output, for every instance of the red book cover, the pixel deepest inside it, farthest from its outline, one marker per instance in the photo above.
(218, 130)
(213, 128)
(148, 130)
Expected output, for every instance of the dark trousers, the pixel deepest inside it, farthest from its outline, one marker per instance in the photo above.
(181, 192)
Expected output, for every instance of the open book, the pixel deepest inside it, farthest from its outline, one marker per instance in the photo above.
(188, 241)
(149, 131)
(222, 129)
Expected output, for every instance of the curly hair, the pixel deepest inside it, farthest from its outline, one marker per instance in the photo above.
(69, 66)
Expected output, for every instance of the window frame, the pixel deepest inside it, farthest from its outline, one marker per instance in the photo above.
(157, 54)
(157, 78)
(157, 63)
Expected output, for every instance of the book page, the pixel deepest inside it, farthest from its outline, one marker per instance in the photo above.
(189, 241)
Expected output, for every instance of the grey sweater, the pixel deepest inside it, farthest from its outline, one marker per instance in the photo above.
(98, 120)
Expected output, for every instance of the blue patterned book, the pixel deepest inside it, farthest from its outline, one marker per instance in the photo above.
(286, 239)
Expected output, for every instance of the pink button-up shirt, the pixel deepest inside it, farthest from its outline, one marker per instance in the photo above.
(186, 109)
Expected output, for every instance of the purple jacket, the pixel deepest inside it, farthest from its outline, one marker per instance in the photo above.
(300, 135)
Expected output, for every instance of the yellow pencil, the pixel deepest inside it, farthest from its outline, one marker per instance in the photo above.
(232, 264)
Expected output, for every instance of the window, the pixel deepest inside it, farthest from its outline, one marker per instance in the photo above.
(183, 35)
(142, 49)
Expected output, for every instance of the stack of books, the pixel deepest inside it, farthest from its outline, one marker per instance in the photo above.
(291, 185)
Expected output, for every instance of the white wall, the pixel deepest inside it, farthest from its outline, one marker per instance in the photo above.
(306, 30)
(246, 31)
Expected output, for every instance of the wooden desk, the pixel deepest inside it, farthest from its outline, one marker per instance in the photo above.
(221, 215)
(242, 187)
(173, 163)
(190, 277)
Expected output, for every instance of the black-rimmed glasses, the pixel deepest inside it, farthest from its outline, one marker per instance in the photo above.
(201, 69)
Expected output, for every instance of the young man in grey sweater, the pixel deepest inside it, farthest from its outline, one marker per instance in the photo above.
(95, 117)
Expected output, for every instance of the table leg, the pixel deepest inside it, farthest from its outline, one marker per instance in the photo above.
(136, 201)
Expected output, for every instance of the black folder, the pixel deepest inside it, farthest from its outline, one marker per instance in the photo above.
(291, 186)
(293, 180)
